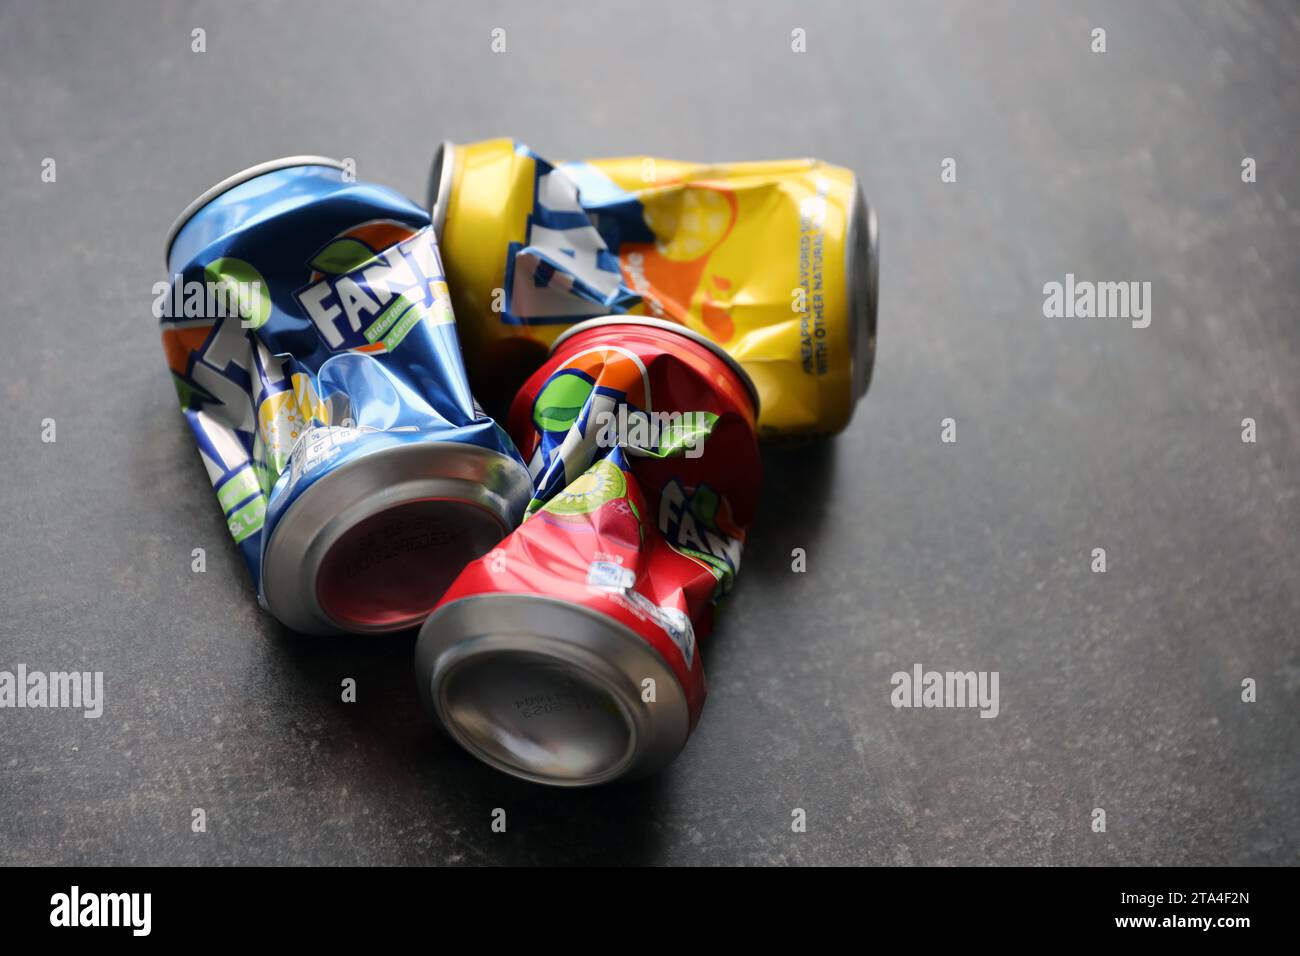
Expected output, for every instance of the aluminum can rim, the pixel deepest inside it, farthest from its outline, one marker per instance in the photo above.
(666, 325)
(230, 182)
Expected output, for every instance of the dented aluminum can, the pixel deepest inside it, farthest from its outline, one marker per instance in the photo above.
(776, 262)
(569, 654)
(312, 344)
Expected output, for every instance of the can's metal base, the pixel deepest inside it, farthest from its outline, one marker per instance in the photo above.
(440, 177)
(549, 691)
(372, 546)
(862, 280)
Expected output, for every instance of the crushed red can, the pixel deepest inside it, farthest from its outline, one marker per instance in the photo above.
(569, 654)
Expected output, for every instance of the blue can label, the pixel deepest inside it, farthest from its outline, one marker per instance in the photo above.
(307, 324)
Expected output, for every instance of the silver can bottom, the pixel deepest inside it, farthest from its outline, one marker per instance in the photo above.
(371, 546)
(549, 691)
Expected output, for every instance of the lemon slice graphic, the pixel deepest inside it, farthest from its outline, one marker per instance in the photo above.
(600, 483)
(687, 222)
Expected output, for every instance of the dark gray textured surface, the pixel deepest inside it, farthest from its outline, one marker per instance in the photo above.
(1119, 691)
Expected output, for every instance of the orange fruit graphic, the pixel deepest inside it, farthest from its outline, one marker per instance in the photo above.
(609, 367)
(689, 222)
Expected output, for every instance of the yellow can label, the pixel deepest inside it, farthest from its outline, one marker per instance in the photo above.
(755, 256)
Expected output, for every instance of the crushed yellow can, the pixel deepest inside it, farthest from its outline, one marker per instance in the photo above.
(776, 262)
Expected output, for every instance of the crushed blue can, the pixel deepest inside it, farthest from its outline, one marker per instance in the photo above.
(311, 340)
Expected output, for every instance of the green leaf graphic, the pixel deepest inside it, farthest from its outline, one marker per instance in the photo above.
(560, 402)
(678, 438)
(190, 395)
(342, 255)
(704, 506)
(253, 295)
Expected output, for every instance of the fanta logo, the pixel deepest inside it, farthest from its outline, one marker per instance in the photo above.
(563, 272)
(700, 523)
(372, 284)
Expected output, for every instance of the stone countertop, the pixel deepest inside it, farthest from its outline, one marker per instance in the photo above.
(1119, 691)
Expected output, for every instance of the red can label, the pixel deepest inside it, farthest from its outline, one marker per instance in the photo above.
(641, 445)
